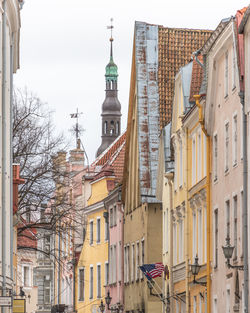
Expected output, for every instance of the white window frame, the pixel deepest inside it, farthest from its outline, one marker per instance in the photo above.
(91, 231)
(180, 163)
(234, 139)
(215, 156)
(132, 262)
(233, 68)
(199, 156)
(226, 144)
(137, 262)
(79, 284)
(98, 231)
(226, 87)
(91, 282)
(106, 273)
(98, 282)
(216, 236)
(193, 159)
(194, 227)
(174, 243)
(200, 235)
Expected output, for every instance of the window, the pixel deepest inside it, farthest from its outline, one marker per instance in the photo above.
(228, 218)
(200, 236)
(105, 127)
(228, 301)
(47, 244)
(142, 256)
(215, 157)
(226, 75)
(26, 276)
(120, 261)
(194, 305)
(128, 264)
(137, 263)
(98, 230)
(106, 273)
(200, 303)
(194, 236)
(242, 210)
(81, 284)
(114, 261)
(181, 242)
(111, 265)
(193, 161)
(166, 231)
(106, 230)
(125, 264)
(98, 281)
(175, 243)
(111, 217)
(233, 69)
(199, 157)
(46, 291)
(175, 169)
(235, 226)
(226, 147)
(234, 145)
(216, 238)
(91, 228)
(117, 128)
(133, 263)
(91, 277)
(215, 306)
(115, 216)
(181, 164)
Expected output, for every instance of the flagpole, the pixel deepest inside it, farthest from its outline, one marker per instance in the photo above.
(158, 294)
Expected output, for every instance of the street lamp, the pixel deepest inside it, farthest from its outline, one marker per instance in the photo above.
(228, 253)
(108, 301)
(195, 268)
(102, 307)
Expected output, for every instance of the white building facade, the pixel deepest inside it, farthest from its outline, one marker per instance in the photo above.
(9, 63)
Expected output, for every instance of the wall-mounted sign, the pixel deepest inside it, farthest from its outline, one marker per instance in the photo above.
(5, 301)
(19, 305)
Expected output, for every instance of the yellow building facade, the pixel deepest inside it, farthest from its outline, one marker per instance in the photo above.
(189, 219)
(92, 270)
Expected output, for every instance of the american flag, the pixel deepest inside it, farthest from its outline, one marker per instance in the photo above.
(152, 270)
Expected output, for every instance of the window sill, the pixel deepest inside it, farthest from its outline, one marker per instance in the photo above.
(216, 180)
(81, 300)
(226, 172)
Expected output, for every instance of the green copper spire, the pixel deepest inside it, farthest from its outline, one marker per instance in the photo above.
(111, 69)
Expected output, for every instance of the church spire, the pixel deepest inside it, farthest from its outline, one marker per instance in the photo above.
(111, 107)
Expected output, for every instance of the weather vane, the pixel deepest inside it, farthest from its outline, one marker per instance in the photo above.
(111, 28)
(76, 129)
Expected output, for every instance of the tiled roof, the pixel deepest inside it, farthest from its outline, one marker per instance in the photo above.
(176, 46)
(196, 80)
(112, 159)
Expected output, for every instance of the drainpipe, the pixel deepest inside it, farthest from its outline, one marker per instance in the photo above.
(170, 177)
(11, 158)
(208, 189)
(186, 227)
(4, 151)
(244, 216)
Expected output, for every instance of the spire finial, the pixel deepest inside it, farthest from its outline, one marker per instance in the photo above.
(111, 38)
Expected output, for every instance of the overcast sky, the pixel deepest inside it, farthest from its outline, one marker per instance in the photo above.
(65, 48)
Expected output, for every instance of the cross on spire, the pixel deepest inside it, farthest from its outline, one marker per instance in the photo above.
(76, 129)
(111, 28)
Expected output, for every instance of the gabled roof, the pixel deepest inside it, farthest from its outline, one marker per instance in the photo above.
(245, 12)
(176, 46)
(111, 160)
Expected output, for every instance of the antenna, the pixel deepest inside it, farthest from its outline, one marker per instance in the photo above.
(76, 129)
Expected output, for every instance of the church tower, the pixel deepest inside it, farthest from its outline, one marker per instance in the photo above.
(111, 107)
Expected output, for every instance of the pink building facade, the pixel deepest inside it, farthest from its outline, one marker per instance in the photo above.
(223, 119)
(115, 224)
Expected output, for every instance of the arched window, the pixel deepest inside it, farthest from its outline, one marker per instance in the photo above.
(117, 128)
(105, 127)
(112, 128)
